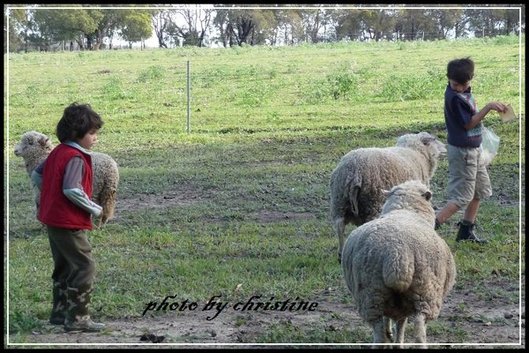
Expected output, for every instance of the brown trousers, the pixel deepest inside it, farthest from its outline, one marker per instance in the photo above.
(74, 265)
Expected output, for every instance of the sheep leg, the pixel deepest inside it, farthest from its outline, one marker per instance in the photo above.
(339, 228)
(420, 330)
(380, 334)
(389, 329)
(401, 327)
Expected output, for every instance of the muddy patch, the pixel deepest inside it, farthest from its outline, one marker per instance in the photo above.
(171, 198)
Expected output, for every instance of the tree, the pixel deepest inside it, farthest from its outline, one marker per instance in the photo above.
(241, 24)
(413, 24)
(289, 25)
(221, 22)
(487, 22)
(135, 25)
(190, 25)
(443, 21)
(160, 21)
(348, 24)
(52, 25)
(244, 26)
(108, 22)
(378, 24)
(313, 21)
(18, 29)
(265, 31)
(512, 21)
(41, 27)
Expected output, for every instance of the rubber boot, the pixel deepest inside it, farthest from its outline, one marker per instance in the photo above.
(466, 233)
(58, 311)
(77, 317)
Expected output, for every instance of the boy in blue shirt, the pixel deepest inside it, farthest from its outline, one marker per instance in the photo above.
(468, 181)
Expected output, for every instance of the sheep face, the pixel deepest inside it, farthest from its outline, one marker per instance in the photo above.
(409, 191)
(33, 143)
(412, 196)
(437, 147)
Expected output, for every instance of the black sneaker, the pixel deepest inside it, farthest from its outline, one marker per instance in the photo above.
(466, 233)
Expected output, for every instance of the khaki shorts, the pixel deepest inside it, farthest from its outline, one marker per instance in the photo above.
(467, 178)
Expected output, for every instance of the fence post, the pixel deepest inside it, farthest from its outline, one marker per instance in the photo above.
(188, 99)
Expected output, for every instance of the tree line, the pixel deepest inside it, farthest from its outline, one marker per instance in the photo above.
(86, 27)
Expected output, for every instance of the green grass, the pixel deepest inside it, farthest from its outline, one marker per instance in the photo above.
(287, 333)
(243, 198)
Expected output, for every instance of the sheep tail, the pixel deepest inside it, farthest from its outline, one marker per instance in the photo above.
(354, 191)
(398, 270)
(354, 201)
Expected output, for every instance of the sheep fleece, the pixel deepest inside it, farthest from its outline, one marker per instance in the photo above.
(372, 170)
(397, 263)
(105, 183)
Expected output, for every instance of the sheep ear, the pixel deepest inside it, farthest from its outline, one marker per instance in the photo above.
(426, 140)
(427, 195)
(43, 140)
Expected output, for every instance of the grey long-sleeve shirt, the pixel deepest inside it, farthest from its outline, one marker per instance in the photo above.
(71, 184)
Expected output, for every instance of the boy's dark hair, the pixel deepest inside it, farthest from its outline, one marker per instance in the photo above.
(76, 121)
(460, 70)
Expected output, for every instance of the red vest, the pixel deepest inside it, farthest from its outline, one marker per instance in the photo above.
(55, 209)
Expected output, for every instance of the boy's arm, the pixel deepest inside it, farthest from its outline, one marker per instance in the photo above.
(73, 190)
(476, 118)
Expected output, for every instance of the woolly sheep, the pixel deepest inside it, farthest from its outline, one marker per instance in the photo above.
(396, 266)
(358, 180)
(34, 147)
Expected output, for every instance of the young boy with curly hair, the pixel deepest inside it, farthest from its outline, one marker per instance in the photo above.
(65, 181)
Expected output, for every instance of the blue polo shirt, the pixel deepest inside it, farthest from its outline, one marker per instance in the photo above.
(459, 109)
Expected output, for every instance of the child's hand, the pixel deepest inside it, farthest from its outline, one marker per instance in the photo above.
(497, 106)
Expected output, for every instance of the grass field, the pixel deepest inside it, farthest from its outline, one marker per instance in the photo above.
(243, 198)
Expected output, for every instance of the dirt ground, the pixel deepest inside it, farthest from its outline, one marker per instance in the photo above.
(497, 323)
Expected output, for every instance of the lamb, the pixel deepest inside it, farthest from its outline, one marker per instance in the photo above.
(34, 147)
(396, 266)
(358, 180)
